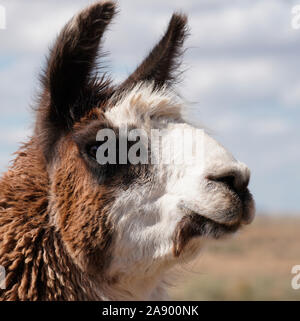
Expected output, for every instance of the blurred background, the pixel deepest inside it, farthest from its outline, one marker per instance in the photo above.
(241, 81)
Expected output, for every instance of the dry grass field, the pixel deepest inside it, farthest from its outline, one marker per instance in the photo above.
(255, 264)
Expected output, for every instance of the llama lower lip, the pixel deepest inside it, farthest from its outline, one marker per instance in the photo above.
(194, 225)
(209, 227)
(228, 218)
(203, 226)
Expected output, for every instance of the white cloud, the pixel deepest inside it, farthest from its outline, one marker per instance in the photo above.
(270, 127)
(291, 95)
(231, 78)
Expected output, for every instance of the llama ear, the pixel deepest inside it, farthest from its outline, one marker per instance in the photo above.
(162, 62)
(72, 60)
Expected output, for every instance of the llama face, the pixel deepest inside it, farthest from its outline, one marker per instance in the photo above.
(131, 217)
(168, 212)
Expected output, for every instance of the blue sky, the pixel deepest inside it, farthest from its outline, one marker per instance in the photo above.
(242, 78)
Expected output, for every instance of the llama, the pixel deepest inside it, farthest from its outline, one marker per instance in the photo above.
(72, 229)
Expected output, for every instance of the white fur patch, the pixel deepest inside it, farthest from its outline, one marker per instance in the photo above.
(145, 108)
(145, 215)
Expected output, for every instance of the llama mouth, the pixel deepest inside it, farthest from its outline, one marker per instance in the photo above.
(195, 225)
(228, 222)
(240, 210)
(204, 226)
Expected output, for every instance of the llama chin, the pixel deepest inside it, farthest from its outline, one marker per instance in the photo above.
(72, 228)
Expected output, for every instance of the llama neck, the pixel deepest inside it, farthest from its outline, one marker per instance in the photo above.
(65, 281)
(31, 251)
(139, 282)
(138, 289)
(45, 272)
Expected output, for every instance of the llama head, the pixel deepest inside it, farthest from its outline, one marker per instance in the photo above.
(133, 217)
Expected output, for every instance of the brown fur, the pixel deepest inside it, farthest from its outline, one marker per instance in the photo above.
(55, 238)
(33, 251)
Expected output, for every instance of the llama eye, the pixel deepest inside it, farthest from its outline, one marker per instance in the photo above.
(92, 151)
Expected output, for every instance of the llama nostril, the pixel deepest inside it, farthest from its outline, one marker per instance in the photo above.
(234, 180)
(228, 180)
